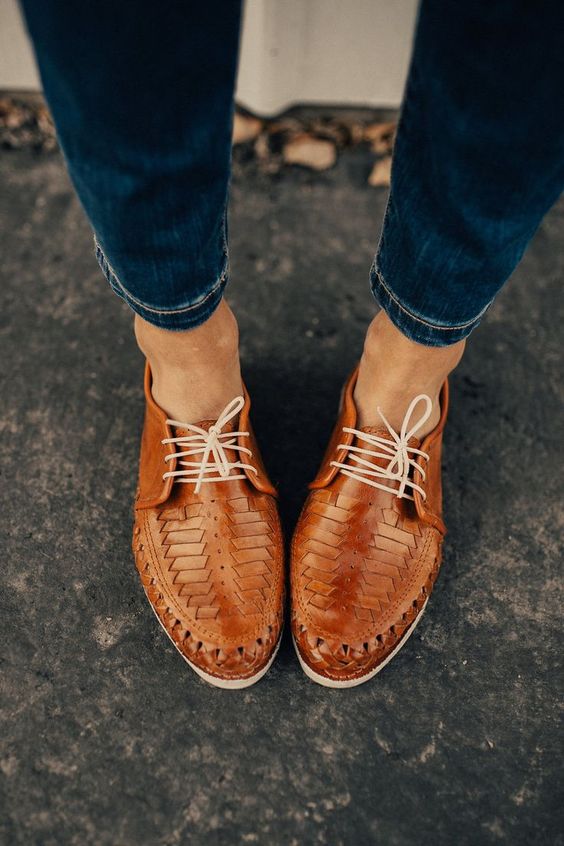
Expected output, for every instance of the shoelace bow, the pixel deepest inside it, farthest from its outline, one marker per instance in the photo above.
(211, 443)
(400, 455)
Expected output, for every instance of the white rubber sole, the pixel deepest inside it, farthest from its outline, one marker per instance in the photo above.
(335, 683)
(225, 684)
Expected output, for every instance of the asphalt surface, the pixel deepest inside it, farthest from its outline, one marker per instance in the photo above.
(107, 737)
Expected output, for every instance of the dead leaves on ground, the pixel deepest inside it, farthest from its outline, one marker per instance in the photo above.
(381, 173)
(26, 123)
(381, 137)
(308, 151)
(314, 143)
(246, 128)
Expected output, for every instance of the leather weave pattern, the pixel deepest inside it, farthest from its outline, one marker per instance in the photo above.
(363, 566)
(211, 565)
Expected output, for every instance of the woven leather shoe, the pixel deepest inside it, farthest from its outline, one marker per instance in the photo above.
(208, 544)
(367, 547)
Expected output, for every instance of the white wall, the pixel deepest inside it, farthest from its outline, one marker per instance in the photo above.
(17, 67)
(324, 51)
(346, 52)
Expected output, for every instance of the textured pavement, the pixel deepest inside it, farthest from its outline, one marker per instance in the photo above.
(107, 737)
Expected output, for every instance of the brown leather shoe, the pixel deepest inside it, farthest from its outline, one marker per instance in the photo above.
(367, 547)
(208, 544)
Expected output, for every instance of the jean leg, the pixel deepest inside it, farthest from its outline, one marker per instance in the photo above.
(478, 161)
(142, 98)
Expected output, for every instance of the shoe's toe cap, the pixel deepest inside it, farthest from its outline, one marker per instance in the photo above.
(234, 658)
(241, 661)
(333, 662)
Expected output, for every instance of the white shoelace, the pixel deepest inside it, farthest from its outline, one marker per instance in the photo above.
(206, 444)
(396, 449)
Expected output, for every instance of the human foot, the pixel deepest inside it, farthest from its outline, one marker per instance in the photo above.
(393, 370)
(197, 372)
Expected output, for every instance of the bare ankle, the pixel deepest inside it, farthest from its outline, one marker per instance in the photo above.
(394, 370)
(195, 372)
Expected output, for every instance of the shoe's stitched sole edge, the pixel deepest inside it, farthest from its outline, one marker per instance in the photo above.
(225, 684)
(336, 683)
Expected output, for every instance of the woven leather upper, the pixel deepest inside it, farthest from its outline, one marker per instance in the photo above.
(363, 561)
(211, 563)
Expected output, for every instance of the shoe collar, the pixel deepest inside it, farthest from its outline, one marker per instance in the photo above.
(153, 489)
(347, 419)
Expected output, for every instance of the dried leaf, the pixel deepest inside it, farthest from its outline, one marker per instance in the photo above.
(16, 117)
(289, 126)
(26, 124)
(245, 128)
(331, 130)
(262, 149)
(356, 133)
(308, 151)
(374, 131)
(268, 160)
(381, 173)
(381, 137)
(45, 121)
(5, 106)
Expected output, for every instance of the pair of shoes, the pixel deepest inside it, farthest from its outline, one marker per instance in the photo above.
(365, 553)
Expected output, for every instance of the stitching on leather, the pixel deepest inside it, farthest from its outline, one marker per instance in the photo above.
(183, 611)
(211, 670)
(364, 669)
(368, 634)
(369, 666)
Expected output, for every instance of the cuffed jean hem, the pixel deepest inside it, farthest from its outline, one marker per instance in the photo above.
(185, 316)
(417, 327)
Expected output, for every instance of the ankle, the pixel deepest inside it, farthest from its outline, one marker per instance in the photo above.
(195, 372)
(394, 369)
(191, 347)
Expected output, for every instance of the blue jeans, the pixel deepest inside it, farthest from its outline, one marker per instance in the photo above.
(142, 97)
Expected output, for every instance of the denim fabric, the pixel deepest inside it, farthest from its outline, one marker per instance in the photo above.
(142, 96)
(479, 159)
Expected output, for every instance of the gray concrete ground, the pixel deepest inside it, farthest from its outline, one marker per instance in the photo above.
(107, 737)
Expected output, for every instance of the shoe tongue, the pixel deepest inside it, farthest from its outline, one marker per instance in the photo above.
(376, 430)
(230, 426)
(383, 433)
